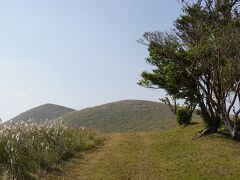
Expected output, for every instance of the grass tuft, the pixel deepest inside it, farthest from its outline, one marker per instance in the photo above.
(26, 150)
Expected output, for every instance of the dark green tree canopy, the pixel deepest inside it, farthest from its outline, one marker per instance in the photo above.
(199, 60)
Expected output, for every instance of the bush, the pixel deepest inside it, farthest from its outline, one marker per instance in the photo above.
(26, 150)
(183, 116)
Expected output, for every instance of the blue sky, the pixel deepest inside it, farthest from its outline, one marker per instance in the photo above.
(76, 53)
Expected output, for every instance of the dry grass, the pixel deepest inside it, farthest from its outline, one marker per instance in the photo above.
(28, 150)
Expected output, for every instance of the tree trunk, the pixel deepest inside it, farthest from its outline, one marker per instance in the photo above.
(212, 122)
(173, 109)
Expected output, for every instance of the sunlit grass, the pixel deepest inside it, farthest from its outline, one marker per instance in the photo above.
(173, 154)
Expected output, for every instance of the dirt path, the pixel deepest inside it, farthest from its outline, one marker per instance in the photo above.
(124, 156)
(161, 155)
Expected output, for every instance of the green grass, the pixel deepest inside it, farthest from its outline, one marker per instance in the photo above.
(172, 154)
(176, 153)
(124, 116)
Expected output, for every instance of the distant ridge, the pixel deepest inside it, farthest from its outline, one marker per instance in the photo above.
(41, 113)
(124, 116)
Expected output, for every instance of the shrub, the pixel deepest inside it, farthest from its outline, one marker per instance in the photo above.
(26, 150)
(183, 116)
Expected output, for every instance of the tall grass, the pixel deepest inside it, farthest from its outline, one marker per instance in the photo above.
(26, 149)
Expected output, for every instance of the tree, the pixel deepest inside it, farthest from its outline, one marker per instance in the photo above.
(199, 61)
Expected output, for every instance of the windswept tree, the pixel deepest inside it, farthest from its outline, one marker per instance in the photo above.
(199, 60)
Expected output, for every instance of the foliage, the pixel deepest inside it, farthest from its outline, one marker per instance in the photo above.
(28, 149)
(200, 60)
(183, 116)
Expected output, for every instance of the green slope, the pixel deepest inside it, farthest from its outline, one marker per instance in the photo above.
(170, 154)
(124, 116)
(42, 113)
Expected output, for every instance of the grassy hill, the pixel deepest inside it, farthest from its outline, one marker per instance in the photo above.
(124, 116)
(170, 154)
(41, 113)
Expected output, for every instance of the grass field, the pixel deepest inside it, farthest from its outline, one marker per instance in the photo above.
(172, 154)
(124, 116)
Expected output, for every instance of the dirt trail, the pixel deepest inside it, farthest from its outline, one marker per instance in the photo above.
(161, 155)
(123, 156)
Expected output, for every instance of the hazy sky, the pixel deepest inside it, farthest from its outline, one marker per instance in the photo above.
(76, 53)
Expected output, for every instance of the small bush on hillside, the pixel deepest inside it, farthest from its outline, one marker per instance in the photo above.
(28, 149)
(183, 117)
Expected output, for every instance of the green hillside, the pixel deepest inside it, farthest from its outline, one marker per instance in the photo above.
(124, 116)
(170, 154)
(42, 113)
